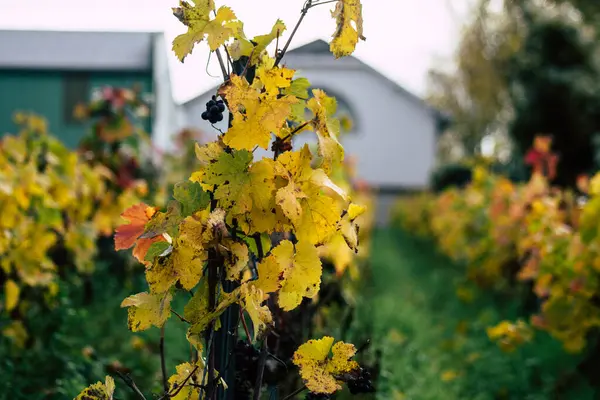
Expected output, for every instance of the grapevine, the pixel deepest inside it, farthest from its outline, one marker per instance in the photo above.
(53, 210)
(243, 236)
(523, 235)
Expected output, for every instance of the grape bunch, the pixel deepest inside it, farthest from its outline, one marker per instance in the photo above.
(362, 384)
(214, 110)
(317, 396)
(246, 362)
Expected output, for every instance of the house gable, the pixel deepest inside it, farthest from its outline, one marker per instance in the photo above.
(106, 51)
(48, 72)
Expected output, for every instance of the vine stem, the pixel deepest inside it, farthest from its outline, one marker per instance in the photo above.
(163, 366)
(176, 392)
(294, 393)
(245, 326)
(221, 64)
(261, 369)
(305, 9)
(324, 2)
(129, 382)
(180, 317)
(296, 130)
(263, 352)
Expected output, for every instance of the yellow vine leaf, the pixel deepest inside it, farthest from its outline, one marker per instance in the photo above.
(98, 391)
(311, 201)
(11, 292)
(273, 79)
(252, 301)
(270, 274)
(318, 371)
(348, 228)
(186, 260)
(206, 154)
(337, 251)
(509, 335)
(255, 115)
(187, 379)
(301, 272)
(147, 309)
(189, 253)
(236, 259)
(200, 25)
(16, 331)
(355, 211)
(219, 30)
(229, 173)
(245, 189)
(188, 392)
(255, 48)
(254, 293)
(346, 35)
(327, 128)
(183, 372)
(196, 311)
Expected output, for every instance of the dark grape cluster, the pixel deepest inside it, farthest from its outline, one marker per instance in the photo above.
(214, 110)
(317, 396)
(362, 384)
(246, 365)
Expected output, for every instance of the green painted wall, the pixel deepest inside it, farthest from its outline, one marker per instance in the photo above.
(42, 92)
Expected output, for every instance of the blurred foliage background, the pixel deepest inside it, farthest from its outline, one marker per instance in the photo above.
(524, 68)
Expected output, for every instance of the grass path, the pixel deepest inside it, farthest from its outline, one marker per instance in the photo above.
(434, 346)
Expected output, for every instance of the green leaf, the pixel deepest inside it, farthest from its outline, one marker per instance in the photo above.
(167, 222)
(265, 240)
(299, 88)
(158, 249)
(191, 196)
(50, 217)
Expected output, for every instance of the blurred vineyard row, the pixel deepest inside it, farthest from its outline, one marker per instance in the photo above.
(61, 326)
(532, 242)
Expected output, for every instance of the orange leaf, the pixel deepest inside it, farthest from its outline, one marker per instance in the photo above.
(127, 234)
(142, 246)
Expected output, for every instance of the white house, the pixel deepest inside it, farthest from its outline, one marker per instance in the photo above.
(394, 132)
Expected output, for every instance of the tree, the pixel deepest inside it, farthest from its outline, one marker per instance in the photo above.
(554, 86)
(474, 94)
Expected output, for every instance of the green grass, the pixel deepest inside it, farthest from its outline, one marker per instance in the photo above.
(425, 333)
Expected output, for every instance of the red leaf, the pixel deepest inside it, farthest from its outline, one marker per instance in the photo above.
(533, 157)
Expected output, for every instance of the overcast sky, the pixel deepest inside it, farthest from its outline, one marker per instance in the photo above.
(404, 37)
